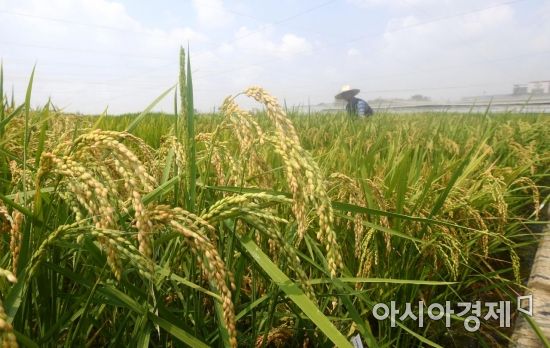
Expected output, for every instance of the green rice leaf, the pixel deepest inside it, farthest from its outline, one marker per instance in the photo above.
(294, 292)
(147, 110)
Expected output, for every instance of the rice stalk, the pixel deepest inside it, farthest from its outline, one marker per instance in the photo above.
(303, 175)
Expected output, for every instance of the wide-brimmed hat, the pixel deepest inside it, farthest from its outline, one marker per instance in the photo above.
(347, 92)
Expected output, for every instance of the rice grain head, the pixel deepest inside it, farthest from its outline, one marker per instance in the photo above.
(194, 230)
(303, 175)
(16, 237)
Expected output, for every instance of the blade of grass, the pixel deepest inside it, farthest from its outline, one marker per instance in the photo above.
(350, 304)
(22, 209)
(167, 166)
(26, 134)
(166, 273)
(176, 332)
(380, 280)
(294, 292)
(191, 163)
(160, 190)
(181, 126)
(342, 206)
(42, 136)
(148, 109)
(100, 118)
(419, 337)
(443, 196)
(25, 340)
(251, 306)
(388, 230)
(12, 114)
(14, 298)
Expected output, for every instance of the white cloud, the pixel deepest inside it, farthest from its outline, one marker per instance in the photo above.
(353, 52)
(411, 36)
(212, 13)
(93, 56)
(292, 45)
(99, 12)
(474, 52)
(260, 44)
(226, 48)
(476, 25)
(126, 63)
(256, 56)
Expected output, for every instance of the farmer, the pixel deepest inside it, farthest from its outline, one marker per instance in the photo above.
(354, 106)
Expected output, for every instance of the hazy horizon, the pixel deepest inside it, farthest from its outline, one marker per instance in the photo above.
(91, 54)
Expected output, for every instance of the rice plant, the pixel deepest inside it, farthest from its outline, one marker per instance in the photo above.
(259, 229)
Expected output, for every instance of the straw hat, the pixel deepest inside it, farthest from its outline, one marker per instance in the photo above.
(347, 92)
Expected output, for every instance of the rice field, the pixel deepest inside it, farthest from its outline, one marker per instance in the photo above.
(267, 229)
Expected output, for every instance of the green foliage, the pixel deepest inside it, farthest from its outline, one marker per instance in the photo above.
(433, 207)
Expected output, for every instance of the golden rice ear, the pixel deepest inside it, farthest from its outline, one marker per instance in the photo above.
(247, 208)
(16, 237)
(171, 143)
(348, 189)
(228, 169)
(530, 185)
(245, 128)
(195, 231)
(103, 176)
(277, 337)
(303, 175)
(249, 135)
(13, 228)
(7, 337)
(92, 195)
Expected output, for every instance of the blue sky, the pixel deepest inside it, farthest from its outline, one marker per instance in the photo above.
(92, 54)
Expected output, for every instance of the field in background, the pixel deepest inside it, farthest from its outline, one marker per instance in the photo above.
(516, 104)
(262, 229)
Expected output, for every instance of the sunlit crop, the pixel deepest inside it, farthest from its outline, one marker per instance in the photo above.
(259, 229)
